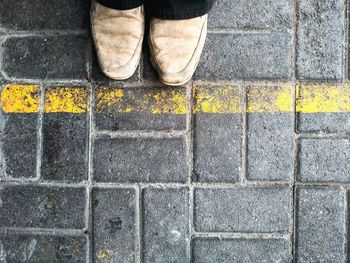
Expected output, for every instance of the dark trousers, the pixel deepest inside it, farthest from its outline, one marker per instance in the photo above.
(166, 9)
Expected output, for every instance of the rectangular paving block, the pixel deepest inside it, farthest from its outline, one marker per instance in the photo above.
(320, 39)
(114, 225)
(165, 225)
(324, 160)
(217, 134)
(320, 225)
(251, 14)
(245, 56)
(42, 14)
(19, 131)
(141, 108)
(42, 206)
(46, 57)
(216, 250)
(270, 133)
(323, 108)
(243, 209)
(140, 160)
(65, 134)
(42, 248)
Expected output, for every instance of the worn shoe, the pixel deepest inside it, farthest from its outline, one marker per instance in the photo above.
(176, 46)
(118, 36)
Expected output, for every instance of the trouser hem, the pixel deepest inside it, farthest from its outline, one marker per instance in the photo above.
(120, 5)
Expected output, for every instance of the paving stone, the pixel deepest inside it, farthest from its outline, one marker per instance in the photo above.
(245, 209)
(42, 14)
(251, 14)
(165, 225)
(114, 220)
(217, 147)
(41, 206)
(270, 146)
(217, 134)
(65, 147)
(240, 250)
(46, 57)
(328, 122)
(245, 56)
(324, 160)
(33, 248)
(320, 224)
(18, 145)
(140, 160)
(319, 39)
(162, 108)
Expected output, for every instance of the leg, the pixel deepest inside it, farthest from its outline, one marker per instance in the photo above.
(178, 9)
(121, 4)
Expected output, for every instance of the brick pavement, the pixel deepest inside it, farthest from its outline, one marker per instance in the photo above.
(247, 163)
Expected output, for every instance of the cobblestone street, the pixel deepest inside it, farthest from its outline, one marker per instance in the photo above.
(249, 162)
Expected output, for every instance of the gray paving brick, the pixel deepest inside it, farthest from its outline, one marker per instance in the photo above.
(162, 108)
(240, 250)
(165, 225)
(244, 209)
(320, 225)
(247, 56)
(65, 147)
(42, 14)
(251, 14)
(41, 206)
(324, 160)
(54, 57)
(319, 39)
(324, 122)
(270, 146)
(217, 147)
(114, 220)
(140, 160)
(18, 145)
(33, 248)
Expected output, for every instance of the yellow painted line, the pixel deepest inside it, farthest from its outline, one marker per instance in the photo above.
(65, 99)
(270, 99)
(322, 98)
(216, 100)
(20, 98)
(171, 101)
(224, 99)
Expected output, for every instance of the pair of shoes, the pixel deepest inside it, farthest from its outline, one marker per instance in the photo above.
(175, 45)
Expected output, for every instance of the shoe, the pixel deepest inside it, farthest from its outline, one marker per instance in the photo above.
(118, 37)
(176, 47)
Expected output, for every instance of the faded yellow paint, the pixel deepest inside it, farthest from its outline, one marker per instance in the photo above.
(20, 98)
(153, 101)
(322, 98)
(270, 99)
(103, 254)
(172, 102)
(107, 97)
(64, 99)
(216, 100)
(309, 99)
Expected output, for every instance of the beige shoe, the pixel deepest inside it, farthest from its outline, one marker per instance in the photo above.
(176, 47)
(118, 36)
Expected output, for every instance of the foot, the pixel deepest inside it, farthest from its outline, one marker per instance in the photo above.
(176, 46)
(118, 36)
